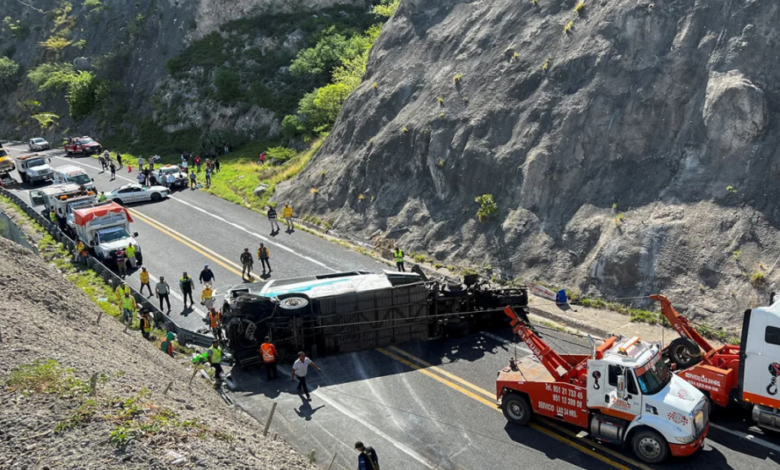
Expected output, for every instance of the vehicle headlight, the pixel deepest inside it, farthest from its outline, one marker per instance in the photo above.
(686, 439)
(32, 172)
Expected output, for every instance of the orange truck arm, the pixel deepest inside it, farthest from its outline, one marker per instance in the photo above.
(681, 324)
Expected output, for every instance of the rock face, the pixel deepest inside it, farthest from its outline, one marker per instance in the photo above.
(633, 154)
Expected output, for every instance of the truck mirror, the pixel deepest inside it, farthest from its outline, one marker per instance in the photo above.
(135, 234)
(92, 243)
(621, 387)
(93, 180)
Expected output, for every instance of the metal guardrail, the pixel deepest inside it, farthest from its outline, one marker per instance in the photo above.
(184, 336)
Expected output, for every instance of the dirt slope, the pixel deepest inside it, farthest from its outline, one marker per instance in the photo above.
(635, 152)
(45, 317)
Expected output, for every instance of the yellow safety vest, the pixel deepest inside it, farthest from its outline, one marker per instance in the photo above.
(145, 277)
(80, 247)
(120, 293)
(206, 294)
(399, 256)
(130, 251)
(146, 325)
(216, 355)
(128, 303)
(287, 212)
(53, 216)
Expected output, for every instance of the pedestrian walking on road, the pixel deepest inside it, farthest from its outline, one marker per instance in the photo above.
(215, 359)
(264, 256)
(145, 323)
(272, 219)
(113, 171)
(215, 322)
(128, 307)
(162, 290)
(299, 370)
(246, 262)
(206, 275)
(268, 351)
(167, 345)
(398, 254)
(193, 182)
(207, 297)
(121, 263)
(140, 163)
(187, 286)
(367, 458)
(119, 160)
(131, 250)
(287, 212)
(102, 160)
(144, 276)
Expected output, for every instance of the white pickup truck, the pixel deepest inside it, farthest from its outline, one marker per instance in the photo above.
(105, 228)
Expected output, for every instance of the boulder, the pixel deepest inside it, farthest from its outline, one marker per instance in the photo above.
(260, 190)
(82, 64)
(735, 110)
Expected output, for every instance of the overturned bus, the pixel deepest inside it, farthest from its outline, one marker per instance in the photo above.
(353, 311)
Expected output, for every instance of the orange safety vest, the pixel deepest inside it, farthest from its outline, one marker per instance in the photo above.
(269, 352)
(214, 319)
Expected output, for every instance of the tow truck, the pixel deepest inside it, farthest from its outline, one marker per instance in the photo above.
(745, 374)
(34, 168)
(63, 199)
(622, 392)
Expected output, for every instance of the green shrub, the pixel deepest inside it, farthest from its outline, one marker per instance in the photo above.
(8, 71)
(52, 76)
(228, 85)
(82, 95)
(386, 8)
(292, 126)
(280, 155)
(758, 278)
(487, 206)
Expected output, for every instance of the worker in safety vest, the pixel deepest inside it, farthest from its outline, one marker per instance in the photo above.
(131, 249)
(287, 212)
(128, 307)
(121, 290)
(53, 216)
(186, 285)
(398, 254)
(145, 324)
(207, 297)
(268, 351)
(102, 197)
(81, 252)
(144, 275)
(215, 322)
(215, 359)
(167, 345)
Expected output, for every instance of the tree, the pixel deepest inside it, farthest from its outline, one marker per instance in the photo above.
(46, 119)
(228, 85)
(8, 71)
(52, 76)
(82, 95)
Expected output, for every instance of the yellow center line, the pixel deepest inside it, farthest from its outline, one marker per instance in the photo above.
(423, 366)
(208, 253)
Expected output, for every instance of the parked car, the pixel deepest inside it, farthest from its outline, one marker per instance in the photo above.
(84, 145)
(134, 192)
(38, 144)
(162, 173)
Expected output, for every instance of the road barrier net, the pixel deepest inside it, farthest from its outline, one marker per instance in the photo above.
(184, 336)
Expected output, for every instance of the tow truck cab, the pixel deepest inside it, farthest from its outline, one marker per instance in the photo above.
(34, 168)
(623, 393)
(6, 162)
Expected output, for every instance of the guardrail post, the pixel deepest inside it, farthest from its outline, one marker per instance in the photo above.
(270, 418)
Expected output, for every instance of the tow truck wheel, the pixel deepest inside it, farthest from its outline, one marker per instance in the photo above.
(684, 353)
(650, 446)
(516, 409)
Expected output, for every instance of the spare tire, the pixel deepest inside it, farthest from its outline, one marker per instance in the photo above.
(294, 303)
(684, 353)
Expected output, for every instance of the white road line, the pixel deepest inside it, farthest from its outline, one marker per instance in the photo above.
(502, 340)
(397, 444)
(261, 237)
(748, 437)
(178, 296)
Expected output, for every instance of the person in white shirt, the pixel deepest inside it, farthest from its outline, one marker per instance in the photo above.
(299, 370)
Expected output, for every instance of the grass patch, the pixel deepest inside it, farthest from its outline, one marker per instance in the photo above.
(457, 78)
(45, 376)
(758, 278)
(569, 27)
(579, 7)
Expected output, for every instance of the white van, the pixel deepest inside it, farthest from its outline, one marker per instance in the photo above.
(73, 174)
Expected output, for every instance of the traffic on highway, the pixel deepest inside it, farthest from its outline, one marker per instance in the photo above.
(427, 397)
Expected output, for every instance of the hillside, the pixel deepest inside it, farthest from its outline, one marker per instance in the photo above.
(629, 147)
(51, 348)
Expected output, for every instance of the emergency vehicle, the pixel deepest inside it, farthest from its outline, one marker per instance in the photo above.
(73, 174)
(747, 374)
(34, 168)
(105, 228)
(622, 392)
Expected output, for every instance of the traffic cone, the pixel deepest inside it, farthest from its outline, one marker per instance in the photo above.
(129, 169)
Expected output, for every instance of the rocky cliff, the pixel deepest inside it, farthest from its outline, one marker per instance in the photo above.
(630, 146)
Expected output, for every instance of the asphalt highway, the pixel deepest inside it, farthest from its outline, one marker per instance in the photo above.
(421, 405)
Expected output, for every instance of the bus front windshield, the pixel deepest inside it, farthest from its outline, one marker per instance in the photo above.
(653, 376)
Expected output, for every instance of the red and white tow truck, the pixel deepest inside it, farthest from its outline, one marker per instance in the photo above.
(622, 392)
(746, 374)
